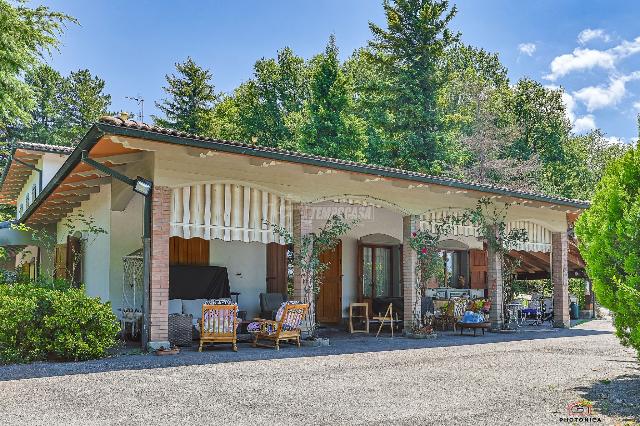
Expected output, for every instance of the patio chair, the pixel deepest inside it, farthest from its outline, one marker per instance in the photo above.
(270, 303)
(219, 324)
(453, 313)
(286, 326)
(387, 318)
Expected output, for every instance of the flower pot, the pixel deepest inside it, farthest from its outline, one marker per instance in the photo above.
(172, 351)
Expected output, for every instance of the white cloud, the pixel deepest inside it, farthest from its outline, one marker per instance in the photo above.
(636, 106)
(626, 48)
(569, 104)
(614, 140)
(589, 34)
(597, 97)
(580, 59)
(527, 48)
(584, 59)
(584, 124)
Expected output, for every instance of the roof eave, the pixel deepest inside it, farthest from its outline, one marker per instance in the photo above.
(87, 142)
(293, 157)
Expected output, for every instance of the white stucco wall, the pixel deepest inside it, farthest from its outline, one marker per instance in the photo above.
(95, 270)
(126, 237)
(49, 164)
(26, 189)
(246, 265)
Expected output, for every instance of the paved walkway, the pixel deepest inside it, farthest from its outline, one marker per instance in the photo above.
(522, 378)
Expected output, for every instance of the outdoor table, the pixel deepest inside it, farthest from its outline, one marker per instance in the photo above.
(474, 326)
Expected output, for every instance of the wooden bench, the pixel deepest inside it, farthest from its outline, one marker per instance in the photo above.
(474, 326)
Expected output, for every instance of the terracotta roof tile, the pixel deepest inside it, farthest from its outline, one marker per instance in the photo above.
(43, 147)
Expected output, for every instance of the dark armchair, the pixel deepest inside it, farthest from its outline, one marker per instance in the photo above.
(270, 303)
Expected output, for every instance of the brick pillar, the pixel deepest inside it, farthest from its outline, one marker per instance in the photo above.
(494, 281)
(159, 286)
(410, 224)
(560, 279)
(301, 225)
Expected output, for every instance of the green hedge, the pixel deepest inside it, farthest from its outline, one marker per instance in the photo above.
(39, 323)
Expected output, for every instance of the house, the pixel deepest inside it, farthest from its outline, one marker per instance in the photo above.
(30, 167)
(196, 200)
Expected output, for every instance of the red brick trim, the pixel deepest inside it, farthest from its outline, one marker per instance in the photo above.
(159, 288)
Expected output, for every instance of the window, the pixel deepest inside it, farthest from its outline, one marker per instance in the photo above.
(34, 192)
(380, 271)
(27, 201)
(21, 210)
(456, 268)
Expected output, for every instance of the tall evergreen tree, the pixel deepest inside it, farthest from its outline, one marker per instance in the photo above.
(331, 128)
(541, 115)
(270, 105)
(65, 107)
(191, 99)
(82, 102)
(411, 50)
(47, 84)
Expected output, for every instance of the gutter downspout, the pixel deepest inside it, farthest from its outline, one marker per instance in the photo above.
(146, 240)
(32, 167)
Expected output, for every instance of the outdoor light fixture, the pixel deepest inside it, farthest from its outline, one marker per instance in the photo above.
(143, 186)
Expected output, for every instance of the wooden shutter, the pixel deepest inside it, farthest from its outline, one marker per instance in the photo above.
(478, 268)
(61, 261)
(192, 251)
(277, 268)
(74, 260)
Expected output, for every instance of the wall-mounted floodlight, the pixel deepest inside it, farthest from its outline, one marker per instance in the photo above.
(143, 186)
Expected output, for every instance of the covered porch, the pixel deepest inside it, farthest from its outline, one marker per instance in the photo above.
(226, 193)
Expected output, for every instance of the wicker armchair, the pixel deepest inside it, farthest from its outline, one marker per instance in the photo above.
(286, 327)
(219, 324)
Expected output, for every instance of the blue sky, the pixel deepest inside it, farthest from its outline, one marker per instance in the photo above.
(588, 47)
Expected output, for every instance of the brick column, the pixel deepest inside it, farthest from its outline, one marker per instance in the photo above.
(159, 285)
(410, 224)
(495, 284)
(301, 225)
(560, 279)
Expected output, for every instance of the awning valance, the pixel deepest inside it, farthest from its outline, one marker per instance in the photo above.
(230, 212)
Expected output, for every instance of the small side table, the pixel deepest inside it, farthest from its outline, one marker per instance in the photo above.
(365, 317)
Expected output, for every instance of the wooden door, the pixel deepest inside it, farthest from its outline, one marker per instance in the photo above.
(478, 268)
(277, 268)
(192, 251)
(329, 307)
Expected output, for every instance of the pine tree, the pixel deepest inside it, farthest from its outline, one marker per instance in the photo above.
(65, 107)
(331, 127)
(191, 100)
(82, 102)
(42, 127)
(411, 51)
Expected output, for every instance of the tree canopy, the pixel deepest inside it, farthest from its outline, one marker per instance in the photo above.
(27, 34)
(415, 97)
(609, 235)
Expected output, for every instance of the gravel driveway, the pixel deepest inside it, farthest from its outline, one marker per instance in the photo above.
(493, 379)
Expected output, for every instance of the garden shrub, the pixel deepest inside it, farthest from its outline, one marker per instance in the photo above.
(609, 236)
(39, 323)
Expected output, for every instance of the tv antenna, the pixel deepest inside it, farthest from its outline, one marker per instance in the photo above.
(140, 101)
